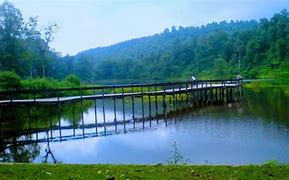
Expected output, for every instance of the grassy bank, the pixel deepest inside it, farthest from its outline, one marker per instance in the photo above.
(62, 171)
(256, 85)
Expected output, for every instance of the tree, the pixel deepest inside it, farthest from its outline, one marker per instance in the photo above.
(24, 48)
(9, 81)
(11, 26)
(32, 36)
(44, 44)
(221, 68)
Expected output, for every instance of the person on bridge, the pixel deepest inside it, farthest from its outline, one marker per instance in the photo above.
(194, 78)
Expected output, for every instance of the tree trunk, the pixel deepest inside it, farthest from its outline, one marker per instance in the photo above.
(43, 63)
(30, 71)
(43, 70)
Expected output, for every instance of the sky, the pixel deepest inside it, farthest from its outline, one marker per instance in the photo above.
(85, 24)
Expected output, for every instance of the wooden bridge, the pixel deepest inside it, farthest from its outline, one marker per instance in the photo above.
(160, 97)
(205, 92)
(36, 116)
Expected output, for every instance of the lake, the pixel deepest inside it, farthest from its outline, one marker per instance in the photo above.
(251, 131)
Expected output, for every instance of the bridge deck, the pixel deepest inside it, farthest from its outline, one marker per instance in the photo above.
(113, 95)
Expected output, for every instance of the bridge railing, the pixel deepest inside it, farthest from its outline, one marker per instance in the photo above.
(113, 89)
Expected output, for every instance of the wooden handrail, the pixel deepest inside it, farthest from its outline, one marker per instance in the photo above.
(165, 84)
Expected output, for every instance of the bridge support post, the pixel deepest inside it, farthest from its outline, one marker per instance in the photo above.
(123, 110)
(150, 105)
(132, 107)
(95, 115)
(59, 117)
(142, 107)
(133, 111)
(73, 121)
(114, 108)
(103, 110)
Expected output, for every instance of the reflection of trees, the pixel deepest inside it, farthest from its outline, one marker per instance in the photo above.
(18, 120)
(19, 153)
(268, 103)
(48, 151)
(72, 111)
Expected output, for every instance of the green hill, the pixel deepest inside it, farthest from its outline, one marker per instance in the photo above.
(209, 51)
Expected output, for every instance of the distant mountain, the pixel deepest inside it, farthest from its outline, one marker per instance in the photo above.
(210, 51)
(137, 49)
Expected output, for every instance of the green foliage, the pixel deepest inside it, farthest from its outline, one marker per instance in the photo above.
(221, 68)
(40, 83)
(272, 162)
(10, 30)
(71, 81)
(9, 81)
(210, 51)
(24, 48)
(48, 83)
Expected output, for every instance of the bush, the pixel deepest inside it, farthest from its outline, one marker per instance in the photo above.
(71, 81)
(9, 81)
(40, 83)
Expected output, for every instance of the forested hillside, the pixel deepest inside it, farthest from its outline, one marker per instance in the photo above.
(209, 51)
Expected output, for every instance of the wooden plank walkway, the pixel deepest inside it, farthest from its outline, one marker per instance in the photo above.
(54, 100)
(198, 93)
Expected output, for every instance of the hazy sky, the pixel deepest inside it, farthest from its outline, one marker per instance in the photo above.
(91, 23)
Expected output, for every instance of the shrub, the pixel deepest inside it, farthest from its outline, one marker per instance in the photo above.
(9, 81)
(40, 83)
(71, 81)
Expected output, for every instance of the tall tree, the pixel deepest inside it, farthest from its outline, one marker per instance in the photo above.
(11, 26)
(32, 36)
(44, 44)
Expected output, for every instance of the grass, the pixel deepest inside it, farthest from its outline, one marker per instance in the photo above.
(280, 83)
(63, 171)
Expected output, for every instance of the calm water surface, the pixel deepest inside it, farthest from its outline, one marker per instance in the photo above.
(252, 131)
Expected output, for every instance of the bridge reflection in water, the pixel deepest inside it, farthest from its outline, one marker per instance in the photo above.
(25, 123)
